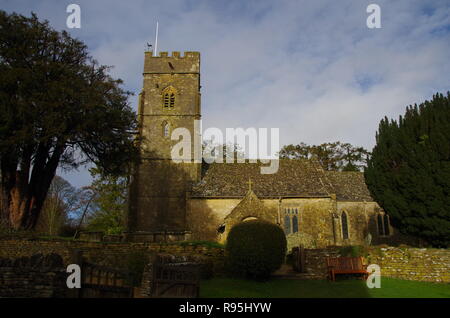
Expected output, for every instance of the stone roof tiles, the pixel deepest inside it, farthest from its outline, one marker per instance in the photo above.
(349, 186)
(295, 178)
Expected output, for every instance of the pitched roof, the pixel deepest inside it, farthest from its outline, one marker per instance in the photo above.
(297, 178)
(251, 206)
(349, 186)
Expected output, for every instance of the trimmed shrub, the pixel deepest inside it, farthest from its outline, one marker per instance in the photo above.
(255, 249)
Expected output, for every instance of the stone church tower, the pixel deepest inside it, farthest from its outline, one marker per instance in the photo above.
(170, 99)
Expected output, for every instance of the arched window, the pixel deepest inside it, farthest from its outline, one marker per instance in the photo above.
(294, 224)
(169, 95)
(386, 224)
(344, 222)
(380, 224)
(287, 224)
(383, 224)
(166, 129)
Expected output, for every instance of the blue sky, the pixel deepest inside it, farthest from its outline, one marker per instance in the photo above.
(311, 68)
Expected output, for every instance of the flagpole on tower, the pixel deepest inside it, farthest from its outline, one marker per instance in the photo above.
(156, 40)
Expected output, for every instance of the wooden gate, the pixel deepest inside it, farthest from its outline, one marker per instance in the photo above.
(102, 282)
(175, 280)
(298, 258)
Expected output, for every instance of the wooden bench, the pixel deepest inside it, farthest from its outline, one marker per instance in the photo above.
(346, 265)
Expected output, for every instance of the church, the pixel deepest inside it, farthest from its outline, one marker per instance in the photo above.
(171, 201)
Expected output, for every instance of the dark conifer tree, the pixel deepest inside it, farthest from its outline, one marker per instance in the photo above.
(408, 173)
(58, 108)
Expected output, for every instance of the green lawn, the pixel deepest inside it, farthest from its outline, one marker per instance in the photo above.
(275, 288)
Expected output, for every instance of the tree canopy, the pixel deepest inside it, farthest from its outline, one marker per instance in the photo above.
(108, 207)
(408, 173)
(335, 156)
(58, 107)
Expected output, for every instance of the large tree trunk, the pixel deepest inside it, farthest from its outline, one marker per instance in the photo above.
(4, 208)
(23, 196)
(6, 185)
(26, 201)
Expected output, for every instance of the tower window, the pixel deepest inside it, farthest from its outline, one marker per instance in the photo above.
(166, 100)
(169, 97)
(166, 129)
(344, 222)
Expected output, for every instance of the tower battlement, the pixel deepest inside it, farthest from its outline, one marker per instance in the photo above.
(164, 63)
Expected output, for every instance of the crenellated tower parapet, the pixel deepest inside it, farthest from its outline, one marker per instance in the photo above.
(172, 64)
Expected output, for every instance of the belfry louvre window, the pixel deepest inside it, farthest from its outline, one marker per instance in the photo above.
(169, 96)
(169, 100)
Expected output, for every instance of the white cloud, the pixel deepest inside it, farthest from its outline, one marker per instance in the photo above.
(311, 68)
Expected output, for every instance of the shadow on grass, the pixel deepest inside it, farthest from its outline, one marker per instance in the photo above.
(283, 288)
(343, 288)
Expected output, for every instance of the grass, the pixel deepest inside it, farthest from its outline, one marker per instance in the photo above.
(350, 288)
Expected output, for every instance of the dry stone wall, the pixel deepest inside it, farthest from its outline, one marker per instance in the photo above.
(422, 264)
(103, 253)
(38, 276)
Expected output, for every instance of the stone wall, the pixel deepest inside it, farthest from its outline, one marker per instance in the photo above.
(422, 264)
(315, 264)
(317, 227)
(103, 253)
(38, 276)
(314, 220)
(405, 263)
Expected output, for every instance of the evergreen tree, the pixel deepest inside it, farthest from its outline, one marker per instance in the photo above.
(408, 173)
(58, 107)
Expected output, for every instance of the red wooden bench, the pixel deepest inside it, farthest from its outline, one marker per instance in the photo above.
(346, 265)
